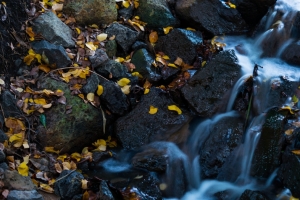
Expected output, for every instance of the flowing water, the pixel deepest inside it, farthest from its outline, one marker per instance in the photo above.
(277, 31)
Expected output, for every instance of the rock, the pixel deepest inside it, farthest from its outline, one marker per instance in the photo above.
(139, 45)
(69, 186)
(143, 60)
(14, 180)
(180, 43)
(252, 195)
(169, 73)
(99, 58)
(114, 68)
(156, 13)
(91, 85)
(205, 92)
(268, 150)
(113, 98)
(2, 156)
(151, 159)
(3, 136)
(3, 166)
(87, 12)
(9, 104)
(291, 54)
(138, 127)
(53, 29)
(55, 54)
(111, 48)
(225, 135)
(99, 156)
(73, 131)
(24, 195)
(104, 192)
(126, 13)
(212, 16)
(125, 37)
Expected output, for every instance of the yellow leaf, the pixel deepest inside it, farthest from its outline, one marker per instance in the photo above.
(136, 74)
(78, 30)
(295, 99)
(66, 166)
(76, 156)
(172, 65)
(28, 59)
(190, 29)
(166, 57)
(119, 59)
(51, 150)
(62, 157)
(23, 169)
(3, 2)
(101, 37)
(58, 167)
(152, 110)
(136, 4)
(44, 68)
(297, 152)
(46, 188)
(293, 198)
(124, 81)
(84, 184)
(91, 46)
(167, 29)
(17, 139)
(126, 4)
(40, 101)
(126, 89)
(94, 26)
(147, 90)
(153, 37)
(231, 5)
(100, 90)
(289, 131)
(38, 57)
(30, 32)
(99, 142)
(203, 63)
(175, 108)
(90, 97)
(85, 195)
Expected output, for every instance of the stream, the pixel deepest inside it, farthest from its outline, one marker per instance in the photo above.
(265, 48)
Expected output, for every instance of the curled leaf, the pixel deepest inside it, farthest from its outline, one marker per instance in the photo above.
(167, 29)
(124, 81)
(153, 110)
(175, 108)
(76, 156)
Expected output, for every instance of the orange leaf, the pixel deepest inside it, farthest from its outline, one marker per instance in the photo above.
(44, 68)
(153, 37)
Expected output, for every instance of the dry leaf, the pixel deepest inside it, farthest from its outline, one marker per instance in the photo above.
(91, 46)
(99, 90)
(297, 152)
(76, 156)
(167, 29)
(289, 131)
(66, 166)
(124, 81)
(152, 110)
(84, 184)
(58, 167)
(126, 89)
(153, 37)
(90, 97)
(101, 37)
(175, 108)
(51, 150)
(23, 169)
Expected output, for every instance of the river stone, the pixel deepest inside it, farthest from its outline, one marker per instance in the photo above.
(3, 136)
(156, 13)
(112, 68)
(212, 16)
(14, 180)
(225, 135)
(180, 43)
(111, 48)
(125, 37)
(91, 85)
(87, 12)
(68, 186)
(73, 131)
(24, 195)
(53, 29)
(252, 195)
(98, 58)
(104, 192)
(268, 150)
(55, 54)
(2, 156)
(291, 54)
(138, 127)
(9, 104)
(126, 13)
(206, 90)
(143, 60)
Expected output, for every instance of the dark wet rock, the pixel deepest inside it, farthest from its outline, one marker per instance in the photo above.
(14, 180)
(296, 142)
(156, 13)
(207, 89)
(91, 85)
(111, 48)
(99, 156)
(75, 130)
(180, 43)
(253, 11)
(78, 197)
(169, 73)
(104, 192)
(295, 30)
(125, 37)
(126, 13)
(291, 53)
(9, 104)
(3, 166)
(139, 127)
(151, 159)
(3, 136)
(225, 135)
(268, 150)
(98, 58)
(92, 11)
(55, 54)
(112, 68)
(2, 156)
(69, 186)
(53, 29)
(212, 16)
(24, 195)
(113, 98)
(252, 195)
(142, 60)
(139, 45)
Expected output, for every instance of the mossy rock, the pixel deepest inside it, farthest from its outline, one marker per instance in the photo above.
(73, 131)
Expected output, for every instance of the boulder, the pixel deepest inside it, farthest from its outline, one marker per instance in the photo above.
(112, 69)
(143, 60)
(9, 104)
(87, 12)
(206, 91)
(53, 29)
(291, 53)
(104, 192)
(213, 16)
(98, 58)
(55, 55)
(14, 180)
(156, 13)
(138, 127)
(111, 48)
(125, 37)
(68, 186)
(73, 131)
(24, 195)
(180, 43)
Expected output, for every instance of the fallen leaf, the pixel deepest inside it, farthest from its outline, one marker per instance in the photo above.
(44, 68)
(76, 156)
(101, 37)
(146, 91)
(84, 184)
(5, 193)
(51, 150)
(100, 90)
(124, 81)
(297, 152)
(91, 46)
(152, 110)
(172, 65)
(46, 188)
(66, 166)
(295, 99)
(126, 89)
(58, 168)
(190, 29)
(175, 108)
(85, 195)
(167, 29)
(17, 139)
(289, 131)
(2, 82)
(90, 97)
(23, 169)
(62, 157)
(153, 37)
